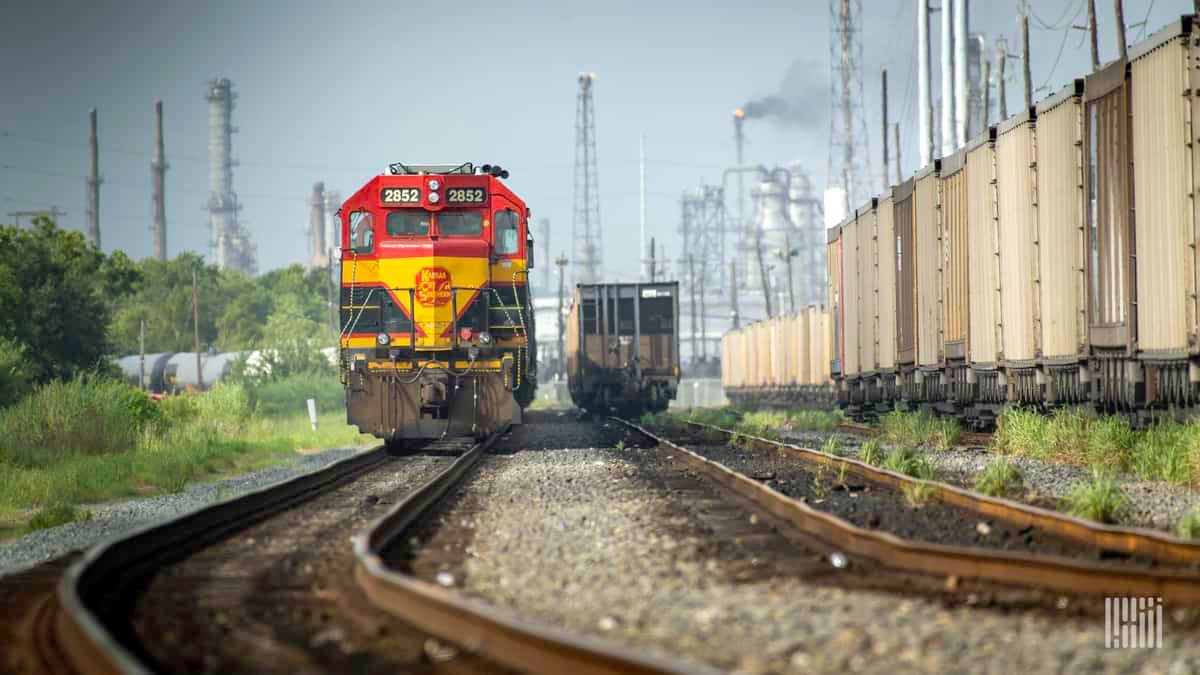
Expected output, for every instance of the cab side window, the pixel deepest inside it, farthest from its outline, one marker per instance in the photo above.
(507, 242)
(362, 232)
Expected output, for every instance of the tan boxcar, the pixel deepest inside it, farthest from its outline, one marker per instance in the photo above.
(906, 277)
(850, 299)
(925, 213)
(1016, 199)
(1110, 218)
(982, 251)
(804, 348)
(1060, 225)
(954, 232)
(1163, 86)
(827, 347)
(885, 242)
(833, 258)
(868, 319)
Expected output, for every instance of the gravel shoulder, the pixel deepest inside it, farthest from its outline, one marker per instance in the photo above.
(112, 519)
(593, 540)
(1153, 504)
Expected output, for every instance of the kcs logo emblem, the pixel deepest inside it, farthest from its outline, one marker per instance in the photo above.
(433, 286)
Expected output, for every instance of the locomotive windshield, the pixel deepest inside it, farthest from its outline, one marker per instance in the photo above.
(407, 223)
(460, 223)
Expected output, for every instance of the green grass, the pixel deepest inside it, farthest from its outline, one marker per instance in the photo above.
(871, 452)
(57, 514)
(1188, 526)
(998, 478)
(910, 462)
(919, 429)
(833, 446)
(1101, 499)
(138, 450)
(1166, 451)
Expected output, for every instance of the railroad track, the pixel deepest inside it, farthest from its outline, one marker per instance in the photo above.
(181, 597)
(1125, 561)
(867, 431)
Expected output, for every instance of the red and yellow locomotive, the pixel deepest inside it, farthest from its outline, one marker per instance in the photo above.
(437, 332)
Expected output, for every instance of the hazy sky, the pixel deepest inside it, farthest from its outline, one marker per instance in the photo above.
(333, 91)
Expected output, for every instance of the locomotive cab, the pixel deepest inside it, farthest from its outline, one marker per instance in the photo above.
(437, 335)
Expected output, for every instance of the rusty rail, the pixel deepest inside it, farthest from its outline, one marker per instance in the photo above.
(1050, 572)
(1128, 540)
(88, 626)
(477, 627)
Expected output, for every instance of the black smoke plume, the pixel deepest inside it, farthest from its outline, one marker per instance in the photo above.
(802, 100)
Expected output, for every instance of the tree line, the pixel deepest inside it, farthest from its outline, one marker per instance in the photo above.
(66, 307)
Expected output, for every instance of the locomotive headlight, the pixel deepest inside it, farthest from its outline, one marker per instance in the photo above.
(434, 197)
(434, 184)
(485, 338)
(383, 339)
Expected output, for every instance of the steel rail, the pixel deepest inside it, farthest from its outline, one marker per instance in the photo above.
(86, 629)
(1128, 540)
(479, 628)
(1021, 569)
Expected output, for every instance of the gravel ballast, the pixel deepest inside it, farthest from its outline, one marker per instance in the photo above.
(590, 539)
(113, 519)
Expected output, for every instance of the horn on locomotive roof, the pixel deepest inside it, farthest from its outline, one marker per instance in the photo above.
(400, 169)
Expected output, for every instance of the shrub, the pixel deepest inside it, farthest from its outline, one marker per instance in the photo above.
(15, 376)
(85, 415)
(998, 477)
(1101, 499)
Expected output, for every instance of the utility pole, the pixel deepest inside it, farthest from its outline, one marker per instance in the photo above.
(93, 183)
(561, 261)
(785, 257)
(733, 294)
(692, 291)
(703, 323)
(158, 169)
(896, 138)
(762, 275)
(924, 93)
(1025, 53)
(987, 94)
(884, 100)
(142, 355)
(1091, 9)
(1002, 58)
(1119, 8)
(642, 199)
(653, 271)
(196, 327)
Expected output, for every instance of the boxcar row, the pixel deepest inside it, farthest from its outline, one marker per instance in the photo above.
(783, 360)
(1052, 261)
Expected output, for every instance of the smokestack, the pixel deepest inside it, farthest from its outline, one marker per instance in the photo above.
(962, 96)
(158, 168)
(739, 118)
(947, 75)
(93, 184)
(924, 100)
(316, 226)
